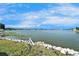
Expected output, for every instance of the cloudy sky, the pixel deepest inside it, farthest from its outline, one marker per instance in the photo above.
(36, 15)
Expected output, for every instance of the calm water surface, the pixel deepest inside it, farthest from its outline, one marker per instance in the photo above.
(63, 38)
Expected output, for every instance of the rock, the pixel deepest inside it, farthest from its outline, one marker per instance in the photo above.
(58, 48)
(54, 47)
(63, 51)
(76, 54)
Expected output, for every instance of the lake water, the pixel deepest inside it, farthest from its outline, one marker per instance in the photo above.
(63, 38)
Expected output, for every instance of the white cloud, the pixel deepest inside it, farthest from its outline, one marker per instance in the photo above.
(30, 16)
(69, 10)
(14, 26)
(60, 20)
(29, 20)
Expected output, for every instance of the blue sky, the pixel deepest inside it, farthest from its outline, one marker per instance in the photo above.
(30, 15)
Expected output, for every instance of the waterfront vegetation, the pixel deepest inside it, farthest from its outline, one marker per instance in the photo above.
(8, 47)
(17, 35)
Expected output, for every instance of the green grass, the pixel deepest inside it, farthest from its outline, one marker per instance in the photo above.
(13, 48)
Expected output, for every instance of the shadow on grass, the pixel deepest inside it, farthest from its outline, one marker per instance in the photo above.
(3, 54)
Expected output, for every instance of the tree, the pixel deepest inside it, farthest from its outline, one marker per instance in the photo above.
(2, 26)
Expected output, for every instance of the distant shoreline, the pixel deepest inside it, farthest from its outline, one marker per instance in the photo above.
(33, 29)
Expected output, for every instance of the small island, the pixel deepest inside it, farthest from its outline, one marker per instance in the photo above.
(76, 29)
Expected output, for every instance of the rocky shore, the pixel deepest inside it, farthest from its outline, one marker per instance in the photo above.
(65, 51)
